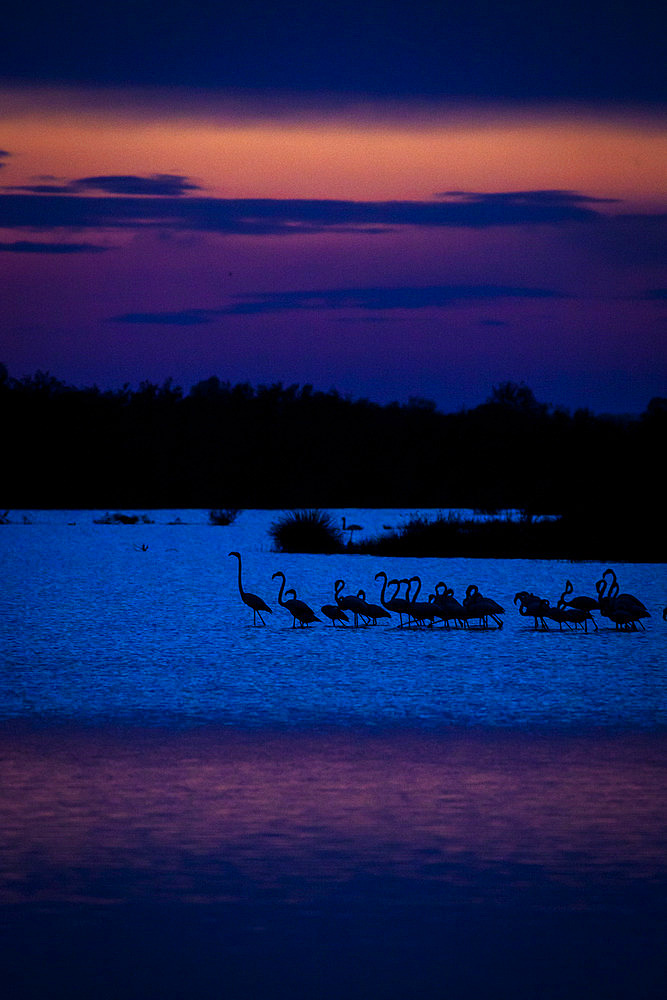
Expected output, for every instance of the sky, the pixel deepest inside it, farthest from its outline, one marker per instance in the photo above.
(392, 200)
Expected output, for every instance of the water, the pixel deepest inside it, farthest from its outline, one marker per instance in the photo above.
(202, 808)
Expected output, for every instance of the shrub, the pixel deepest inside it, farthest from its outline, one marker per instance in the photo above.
(223, 516)
(119, 518)
(306, 531)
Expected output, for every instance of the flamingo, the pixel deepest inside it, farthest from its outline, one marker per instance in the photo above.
(373, 611)
(563, 614)
(583, 602)
(349, 603)
(628, 601)
(298, 609)
(252, 600)
(532, 605)
(574, 616)
(449, 609)
(394, 604)
(351, 528)
(625, 610)
(335, 614)
(421, 611)
(482, 607)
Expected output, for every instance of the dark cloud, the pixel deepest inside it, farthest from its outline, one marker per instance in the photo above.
(656, 294)
(169, 185)
(27, 246)
(166, 185)
(267, 216)
(330, 299)
(551, 197)
(518, 50)
(184, 317)
(3, 156)
(409, 297)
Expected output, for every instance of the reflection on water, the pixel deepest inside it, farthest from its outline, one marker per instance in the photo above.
(219, 815)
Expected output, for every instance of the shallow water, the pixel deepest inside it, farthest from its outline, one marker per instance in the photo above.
(201, 808)
(95, 629)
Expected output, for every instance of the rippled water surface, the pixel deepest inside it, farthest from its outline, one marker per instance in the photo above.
(95, 628)
(204, 808)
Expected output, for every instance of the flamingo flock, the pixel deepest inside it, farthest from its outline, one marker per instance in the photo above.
(624, 610)
(403, 598)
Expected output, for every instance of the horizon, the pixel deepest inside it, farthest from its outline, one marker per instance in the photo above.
(174, 385)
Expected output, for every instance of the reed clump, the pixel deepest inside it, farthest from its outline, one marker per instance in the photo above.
(576, 535)
(223, 516)
(313, 531)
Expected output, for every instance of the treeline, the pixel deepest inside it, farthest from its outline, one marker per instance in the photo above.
(224, 445)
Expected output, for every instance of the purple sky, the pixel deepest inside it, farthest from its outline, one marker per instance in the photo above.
(389, 201)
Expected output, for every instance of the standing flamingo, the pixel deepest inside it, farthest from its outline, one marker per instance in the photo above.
(335, 614)
(482, 607)
(584, 603)
(252, 600)
(530, 605)
(298, 609)
(625, 610)
(394, 603)
(449, 609)
(351, 528)
(372, 611)
(350, 603)
(421, 611)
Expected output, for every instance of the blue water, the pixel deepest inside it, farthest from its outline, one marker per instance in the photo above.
(193, 806)
(93, 628)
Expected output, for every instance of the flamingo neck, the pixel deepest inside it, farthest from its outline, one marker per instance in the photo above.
(282, 587)
(240, 584)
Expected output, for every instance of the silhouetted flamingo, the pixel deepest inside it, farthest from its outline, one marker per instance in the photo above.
(335, 614)
(421, 611)
(251, 600)
(449, 609)
(349, 603)
(530, 605)
(298, 609)
(351, 528)
(394, 604)
(482, 607)
(372, 611)
(625, 610)
(582, 602)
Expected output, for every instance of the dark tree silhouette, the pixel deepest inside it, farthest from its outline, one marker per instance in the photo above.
(286, 447)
